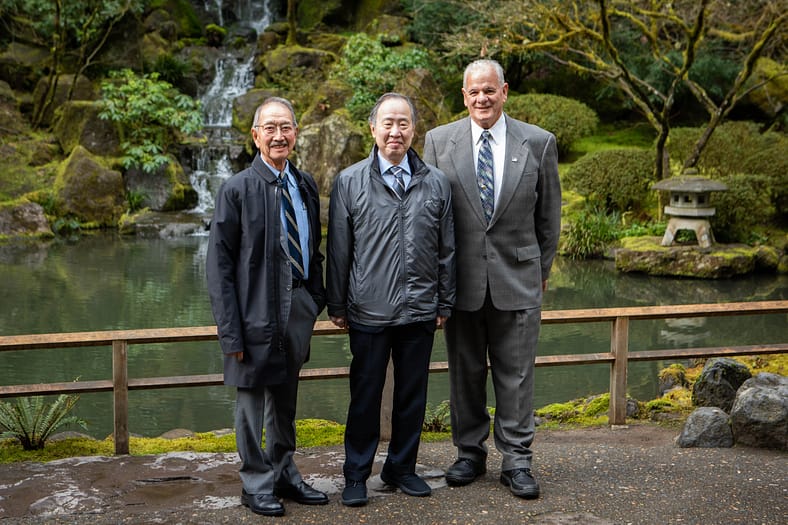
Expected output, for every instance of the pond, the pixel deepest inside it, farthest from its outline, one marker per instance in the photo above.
(110, 282)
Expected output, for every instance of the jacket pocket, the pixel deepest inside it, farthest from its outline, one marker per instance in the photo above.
(526, 253)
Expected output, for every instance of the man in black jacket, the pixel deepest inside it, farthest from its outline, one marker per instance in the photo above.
(390, 280)
(265, 280)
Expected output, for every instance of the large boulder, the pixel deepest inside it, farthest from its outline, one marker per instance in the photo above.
(721, 261)
(419, 85)
(327, 147)
(706, 427)
(21, 65)
(78, 123)
(166, 189)
(23, 218)
(718, 382)
(88, 190)
(759, 416)
(245, 106)
(83, 90)
(13, 122)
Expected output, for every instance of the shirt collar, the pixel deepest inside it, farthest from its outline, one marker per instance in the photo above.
(498, 131)
(385, 164)
(276, 171)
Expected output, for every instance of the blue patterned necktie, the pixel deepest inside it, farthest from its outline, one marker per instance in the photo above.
(484, 175)
(293, 239)
(399, 182)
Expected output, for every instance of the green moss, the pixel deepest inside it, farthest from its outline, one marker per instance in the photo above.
(597, 405)
(645, 244)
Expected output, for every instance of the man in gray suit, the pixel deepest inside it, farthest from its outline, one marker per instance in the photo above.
(507, 212)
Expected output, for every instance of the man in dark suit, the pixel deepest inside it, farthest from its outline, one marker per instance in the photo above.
(507, 212)
(265, 281)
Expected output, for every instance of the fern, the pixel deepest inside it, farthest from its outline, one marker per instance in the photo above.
(435, 418)
(32, 423)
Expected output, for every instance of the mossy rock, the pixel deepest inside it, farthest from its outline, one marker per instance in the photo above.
(78, 123)
(88, 190)
(647, 255)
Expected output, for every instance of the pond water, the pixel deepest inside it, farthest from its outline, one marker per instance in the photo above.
(109, 282)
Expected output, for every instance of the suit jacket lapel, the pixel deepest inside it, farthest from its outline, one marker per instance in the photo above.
(464, 166)
(514, 164)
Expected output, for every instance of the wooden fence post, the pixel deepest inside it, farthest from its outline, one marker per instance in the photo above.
(120, 395)
(619, 347)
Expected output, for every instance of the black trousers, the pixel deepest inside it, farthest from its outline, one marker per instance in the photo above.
(409, 347)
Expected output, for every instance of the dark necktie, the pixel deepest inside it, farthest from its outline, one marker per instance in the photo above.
(399, 182)
(484, 175)
(293, 239)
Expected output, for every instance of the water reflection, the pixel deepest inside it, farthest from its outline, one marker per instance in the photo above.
(108, 282)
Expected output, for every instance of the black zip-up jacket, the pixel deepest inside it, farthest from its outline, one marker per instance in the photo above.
(390, 261)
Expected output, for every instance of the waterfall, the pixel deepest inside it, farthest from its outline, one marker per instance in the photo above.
(234, 77)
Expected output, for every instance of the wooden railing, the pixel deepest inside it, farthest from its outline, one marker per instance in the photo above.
(618, 357)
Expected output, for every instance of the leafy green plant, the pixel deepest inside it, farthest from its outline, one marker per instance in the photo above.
(66, 226)
(590, 234)
(135, 200)
(32, 423)
(372, 69)
(153, 115)
(435, 417)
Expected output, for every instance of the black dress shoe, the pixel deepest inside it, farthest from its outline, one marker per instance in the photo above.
(263, 504)
(464, 471)
(410, 483)
(521, 482)
(301, 493)
(354, 494)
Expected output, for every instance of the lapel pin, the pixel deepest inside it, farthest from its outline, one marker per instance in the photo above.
(514, 159)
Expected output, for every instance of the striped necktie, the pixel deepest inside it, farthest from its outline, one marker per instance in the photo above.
(399, 182)
(484, 175)
(293, 239)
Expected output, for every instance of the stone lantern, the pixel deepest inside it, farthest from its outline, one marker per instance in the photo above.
(689, 207)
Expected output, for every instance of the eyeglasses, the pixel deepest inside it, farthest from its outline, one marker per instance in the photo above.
(269, 128)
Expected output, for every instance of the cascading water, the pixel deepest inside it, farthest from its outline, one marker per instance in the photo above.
(234, 77)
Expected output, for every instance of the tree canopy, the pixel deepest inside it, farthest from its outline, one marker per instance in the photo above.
(649, 50)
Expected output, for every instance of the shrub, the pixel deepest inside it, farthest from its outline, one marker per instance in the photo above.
(568, 119)
(739, 211)
(372, 69)
(32, 423)
(589, 235)
(738, 147)
(618, 180)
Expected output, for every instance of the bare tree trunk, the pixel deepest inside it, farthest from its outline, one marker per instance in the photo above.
(291, 22)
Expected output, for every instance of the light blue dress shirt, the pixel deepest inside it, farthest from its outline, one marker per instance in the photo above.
(302, 217)
(388, 177)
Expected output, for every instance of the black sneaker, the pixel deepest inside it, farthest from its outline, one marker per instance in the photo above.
(354, 494)
(410, 483)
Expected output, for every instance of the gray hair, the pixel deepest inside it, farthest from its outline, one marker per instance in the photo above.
(274, 100)
(483, 64)
(373, 115)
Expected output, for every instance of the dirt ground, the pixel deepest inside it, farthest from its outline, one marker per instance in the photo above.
(634, 474)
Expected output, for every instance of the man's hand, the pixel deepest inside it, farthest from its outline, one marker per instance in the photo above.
(440, 321)
(339, 322)
(544, 285)
(239, 356)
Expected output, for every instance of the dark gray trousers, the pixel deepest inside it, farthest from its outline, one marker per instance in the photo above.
(508, 339)
(274, 407)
